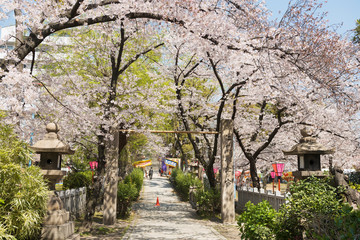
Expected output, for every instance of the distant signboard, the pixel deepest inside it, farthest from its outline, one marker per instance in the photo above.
(170, 163)
(142, 163)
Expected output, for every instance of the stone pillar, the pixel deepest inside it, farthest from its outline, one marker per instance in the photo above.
(56, 223)
(111, 179)
(227, 171)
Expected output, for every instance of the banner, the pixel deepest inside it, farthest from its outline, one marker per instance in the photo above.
(142, 163)
(170, 163)
(177, 160)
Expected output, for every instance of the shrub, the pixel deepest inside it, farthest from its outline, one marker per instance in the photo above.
(23, 191)
(4, 235)
(258, 221)
(127, 192)
(136, 177)
(208, 201)
(25, 194)
(12, 150)
(311, 207)
(174, 173)
(345, 226)
(3, 231)
(314, 208)
(355, 186)
(78, 180)
(183, 182)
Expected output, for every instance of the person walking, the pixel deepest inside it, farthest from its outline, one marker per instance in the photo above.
(151, 173)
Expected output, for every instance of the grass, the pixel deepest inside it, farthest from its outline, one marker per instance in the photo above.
(100, 231)
(118, 230)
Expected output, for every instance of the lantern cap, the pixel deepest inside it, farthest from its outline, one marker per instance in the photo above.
(308, 145)
(51, 142)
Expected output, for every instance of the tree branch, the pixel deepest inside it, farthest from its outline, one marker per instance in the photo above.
(261, 117)
(122, 43)
(241, 144)
(273, 133)
(213, 66)
(52, 95)
(133, 59)
(73, 12)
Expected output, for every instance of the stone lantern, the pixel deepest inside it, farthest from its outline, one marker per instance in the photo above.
(308, 152)
(51, 149)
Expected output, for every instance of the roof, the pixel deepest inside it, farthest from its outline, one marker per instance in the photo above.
(51, 142)
(308, 145)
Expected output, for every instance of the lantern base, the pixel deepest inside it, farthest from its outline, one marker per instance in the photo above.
(56, 222)
(300, 175)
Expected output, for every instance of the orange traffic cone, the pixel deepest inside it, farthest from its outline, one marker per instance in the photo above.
(157, 202)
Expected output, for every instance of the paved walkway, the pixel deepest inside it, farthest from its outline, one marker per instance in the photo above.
(173, 219)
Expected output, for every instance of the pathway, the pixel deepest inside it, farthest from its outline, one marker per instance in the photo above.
(173, 219)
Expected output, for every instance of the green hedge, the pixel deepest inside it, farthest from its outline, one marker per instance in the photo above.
(136, 177)
(311, 208)
(314, 208)
(208, 201)
(77, 180)
(129, 191)
(258, 221)
(183, 182)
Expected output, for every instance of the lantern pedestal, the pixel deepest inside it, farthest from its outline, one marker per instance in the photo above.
(300, 175)
(56, 223)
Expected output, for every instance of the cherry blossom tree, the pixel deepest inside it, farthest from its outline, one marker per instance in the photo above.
(296, 74)
(308, 79)
(187, 18)
(111, 91)
(270, 77)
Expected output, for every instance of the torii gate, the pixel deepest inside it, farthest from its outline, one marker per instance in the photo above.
(227, 173)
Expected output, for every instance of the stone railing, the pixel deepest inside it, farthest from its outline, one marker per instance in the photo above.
(74, 201)
(255, 196)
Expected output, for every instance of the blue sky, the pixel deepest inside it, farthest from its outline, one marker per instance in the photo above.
(339, 11)
(9, 21)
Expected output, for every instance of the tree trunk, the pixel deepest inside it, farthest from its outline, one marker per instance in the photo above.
(211, 176)
(111, 178)
(253, 173)
(122, 162)
(184, 164)
(94, 195)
